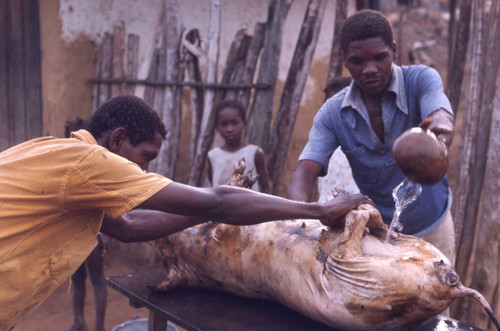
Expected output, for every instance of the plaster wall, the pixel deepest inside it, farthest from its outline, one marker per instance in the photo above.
(72, 30)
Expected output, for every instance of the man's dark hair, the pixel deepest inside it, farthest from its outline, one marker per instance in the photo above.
(230, 103)
(366, 24)
(131, 113)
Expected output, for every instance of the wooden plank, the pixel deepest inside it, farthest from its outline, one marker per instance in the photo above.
(335, 67)
(172, 102)
(251, 62)
(132, 63)
(467, 193)
(194, 84)
(118, 56)
(238, 69)
(192, 38)
(4, 77)
(102, 92)
(16, 104)
(32, 70)
(294, 89)
(478, 204)
(486, 266)
(260, 116)
(150, 89)
(230, 65)
(206, 135)
(456, 61)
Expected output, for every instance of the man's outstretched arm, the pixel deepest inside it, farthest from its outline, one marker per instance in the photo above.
(144, 225)
(238, 206)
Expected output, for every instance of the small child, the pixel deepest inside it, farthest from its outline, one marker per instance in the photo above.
(339, 173)
(230, 122)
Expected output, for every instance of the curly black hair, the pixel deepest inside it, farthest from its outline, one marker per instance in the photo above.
(230, 103)
(366, 24)
(131, 113)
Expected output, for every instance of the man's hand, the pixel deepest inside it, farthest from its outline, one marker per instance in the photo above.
(442, 124)
(341, 204)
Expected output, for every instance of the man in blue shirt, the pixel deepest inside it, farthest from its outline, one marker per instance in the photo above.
(364, 118)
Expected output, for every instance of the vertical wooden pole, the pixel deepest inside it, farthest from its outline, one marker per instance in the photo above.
(205, 137)
(261, 112)
(335, 67)
(293, 90)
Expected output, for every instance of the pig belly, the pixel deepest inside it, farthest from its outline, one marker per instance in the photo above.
(346, 278)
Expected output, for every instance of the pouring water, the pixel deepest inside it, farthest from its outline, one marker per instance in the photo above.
(403, 194)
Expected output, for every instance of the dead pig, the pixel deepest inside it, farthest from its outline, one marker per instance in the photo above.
(345, 278)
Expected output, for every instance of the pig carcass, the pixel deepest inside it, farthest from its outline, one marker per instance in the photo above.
(345, 277)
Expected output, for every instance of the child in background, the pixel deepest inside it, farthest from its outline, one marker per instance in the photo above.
(93, 267)
(230, 122)
(339, 173)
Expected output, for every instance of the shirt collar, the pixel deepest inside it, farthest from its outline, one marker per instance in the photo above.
(84, 136)
(397, 86)
(354, 100)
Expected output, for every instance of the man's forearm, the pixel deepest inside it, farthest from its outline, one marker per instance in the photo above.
(234, 205)
(300, 190)
(144, 225)
(253, 208)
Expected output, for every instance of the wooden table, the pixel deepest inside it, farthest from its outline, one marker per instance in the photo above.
(204, 310)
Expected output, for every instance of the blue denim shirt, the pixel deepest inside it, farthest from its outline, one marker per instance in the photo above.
(414, 92)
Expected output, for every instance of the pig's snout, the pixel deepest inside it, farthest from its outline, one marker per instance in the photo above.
(452, 278)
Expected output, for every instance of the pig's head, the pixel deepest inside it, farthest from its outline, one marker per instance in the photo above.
(398, 285)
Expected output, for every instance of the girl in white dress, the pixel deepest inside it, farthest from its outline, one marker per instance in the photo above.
(230, 123)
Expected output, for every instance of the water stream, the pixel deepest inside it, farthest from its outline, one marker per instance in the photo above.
(403, 194)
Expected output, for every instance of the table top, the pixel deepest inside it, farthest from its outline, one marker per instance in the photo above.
(202, 309)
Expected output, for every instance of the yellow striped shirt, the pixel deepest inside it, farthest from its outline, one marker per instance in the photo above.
(53, 195)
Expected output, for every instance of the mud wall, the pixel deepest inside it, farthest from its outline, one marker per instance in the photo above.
(72, 30)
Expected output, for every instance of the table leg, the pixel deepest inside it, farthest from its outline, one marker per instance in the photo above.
(157, 322)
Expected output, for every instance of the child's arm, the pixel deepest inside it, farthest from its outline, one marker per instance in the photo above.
(260, 164)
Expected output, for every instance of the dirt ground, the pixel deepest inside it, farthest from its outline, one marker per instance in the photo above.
(56, 312)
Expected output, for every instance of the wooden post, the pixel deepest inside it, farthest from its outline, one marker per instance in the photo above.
(457, 55)
(235, 64)
(191, 52)
(207, 122)
(294, 89)
(484, 196)
(155, 95)
(471, 190)
(118, 56)
(172, 95)
(252, 56)
(335, 67)
(486, 267)
(102, 92)
(132, 64)
(260, 117)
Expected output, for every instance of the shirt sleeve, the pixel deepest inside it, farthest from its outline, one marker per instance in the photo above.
(110, 182)
(322, 140)
(432, 96)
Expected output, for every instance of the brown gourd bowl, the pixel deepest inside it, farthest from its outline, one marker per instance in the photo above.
(421, 156)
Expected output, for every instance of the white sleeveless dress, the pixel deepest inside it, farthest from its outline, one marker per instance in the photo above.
(223, 162)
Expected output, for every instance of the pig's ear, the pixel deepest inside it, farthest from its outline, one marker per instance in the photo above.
(116, 138)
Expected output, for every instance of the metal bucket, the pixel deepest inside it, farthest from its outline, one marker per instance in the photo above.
(139, 324)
